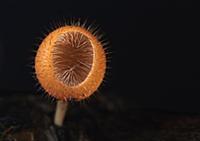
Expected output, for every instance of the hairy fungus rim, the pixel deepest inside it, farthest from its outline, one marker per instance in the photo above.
(56, 88)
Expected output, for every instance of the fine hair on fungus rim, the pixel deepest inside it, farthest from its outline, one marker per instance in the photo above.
(71, 62)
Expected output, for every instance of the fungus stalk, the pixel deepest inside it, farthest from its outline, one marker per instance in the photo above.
(61, 109)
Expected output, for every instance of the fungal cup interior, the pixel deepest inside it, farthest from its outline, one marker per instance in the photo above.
(72, 58)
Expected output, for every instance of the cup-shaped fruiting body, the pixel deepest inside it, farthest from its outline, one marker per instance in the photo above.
(70, 63)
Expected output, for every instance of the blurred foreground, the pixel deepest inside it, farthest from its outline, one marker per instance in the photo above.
(25, 117)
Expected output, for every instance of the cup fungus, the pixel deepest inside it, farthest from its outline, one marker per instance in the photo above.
(70, 64)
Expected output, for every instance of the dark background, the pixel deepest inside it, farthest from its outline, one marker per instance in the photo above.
(154, 45)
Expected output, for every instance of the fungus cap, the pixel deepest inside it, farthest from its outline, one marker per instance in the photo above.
(70, 63)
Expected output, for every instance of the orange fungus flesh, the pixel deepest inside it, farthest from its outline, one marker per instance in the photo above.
(70, 63)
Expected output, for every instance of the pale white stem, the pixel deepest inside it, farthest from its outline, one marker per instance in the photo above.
(61, 109)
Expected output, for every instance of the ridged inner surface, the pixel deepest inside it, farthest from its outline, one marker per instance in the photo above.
(72, 58)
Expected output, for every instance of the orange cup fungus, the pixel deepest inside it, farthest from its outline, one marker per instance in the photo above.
(70, 63)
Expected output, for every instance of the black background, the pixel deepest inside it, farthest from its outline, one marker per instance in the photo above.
(154, 45)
